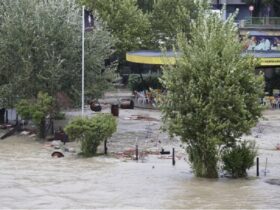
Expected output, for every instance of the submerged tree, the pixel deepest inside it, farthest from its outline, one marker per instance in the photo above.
(37, 110)
(213, 92)
(91, 131)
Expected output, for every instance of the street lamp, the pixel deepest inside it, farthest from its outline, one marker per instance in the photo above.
(87, 25)
(83, 60)
(268, 13)
(251, 9)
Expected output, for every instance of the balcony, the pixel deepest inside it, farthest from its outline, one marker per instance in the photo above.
(271, 23)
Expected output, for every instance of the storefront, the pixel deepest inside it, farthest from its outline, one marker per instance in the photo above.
(266, 47)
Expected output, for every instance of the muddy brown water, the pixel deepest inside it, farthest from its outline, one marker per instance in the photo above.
(31, 179)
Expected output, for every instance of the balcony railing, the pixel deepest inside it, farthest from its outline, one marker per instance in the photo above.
(261, 22)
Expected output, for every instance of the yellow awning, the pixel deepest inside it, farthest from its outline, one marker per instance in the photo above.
(151, 57)
(269, 61)
(169, 58)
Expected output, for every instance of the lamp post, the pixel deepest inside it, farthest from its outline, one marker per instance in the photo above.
(268, 13)
(225, 10)
(251, 9)
(83, 61)
(87, 25)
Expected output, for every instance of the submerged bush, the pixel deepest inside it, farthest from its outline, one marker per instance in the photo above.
(37, 110)
(91, 131)
(239, 158)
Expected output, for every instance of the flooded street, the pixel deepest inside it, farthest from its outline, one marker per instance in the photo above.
(31, 179)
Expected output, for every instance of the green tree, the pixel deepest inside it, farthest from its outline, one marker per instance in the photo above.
(146, 5)
(127, 23)
(91, 131)
(37, 110)
(213, 91)
(145, 24)
(40, 50)
(168, 18)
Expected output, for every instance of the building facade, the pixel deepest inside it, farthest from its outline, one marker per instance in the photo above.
(231, 6)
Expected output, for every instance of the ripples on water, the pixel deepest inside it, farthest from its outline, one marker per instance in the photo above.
(31, 179)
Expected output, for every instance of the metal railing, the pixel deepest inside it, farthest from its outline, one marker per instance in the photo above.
(261, 22)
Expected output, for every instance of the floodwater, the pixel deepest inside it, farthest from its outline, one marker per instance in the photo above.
(31, 179)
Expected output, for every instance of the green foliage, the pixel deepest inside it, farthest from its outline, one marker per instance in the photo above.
(36, 110)
(125, 20)
(213, 92)
(149, 81)
(24, 109)
(91, 131)
(239, 158)
(204, 159)
(41, 50)
(169, 18)
(145, 24)
(146, 5)
(59, 116)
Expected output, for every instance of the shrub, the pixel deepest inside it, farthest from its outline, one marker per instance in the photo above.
(239, 158)
(134, 82)
(149, 81)
(91, 131)
(59, 116)
(36, 110)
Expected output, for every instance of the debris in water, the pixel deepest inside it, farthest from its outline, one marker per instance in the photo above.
(57, 154)
(25, 133)
(10, 132)
(140, 117)
(273, 181)
(164, 152)
(57, 143)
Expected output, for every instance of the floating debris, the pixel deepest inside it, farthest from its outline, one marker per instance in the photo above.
(57, 154)
(162, 152)
(25, 133)
(141, 117)
(273, 181)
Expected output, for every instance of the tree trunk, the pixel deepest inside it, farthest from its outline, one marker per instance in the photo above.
(2, 115)
(204, 161)
(42, 128)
